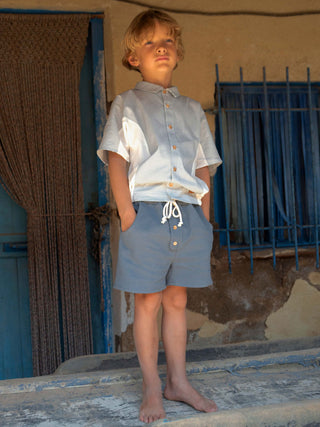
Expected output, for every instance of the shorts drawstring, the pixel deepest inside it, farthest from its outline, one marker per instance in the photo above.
(171, 209)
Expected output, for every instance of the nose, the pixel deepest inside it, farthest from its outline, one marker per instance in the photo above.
(161, 50)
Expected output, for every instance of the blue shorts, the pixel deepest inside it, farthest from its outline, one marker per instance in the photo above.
(153, 255)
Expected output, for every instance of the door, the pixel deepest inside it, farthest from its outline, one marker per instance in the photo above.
(15, 333)
(15, 325)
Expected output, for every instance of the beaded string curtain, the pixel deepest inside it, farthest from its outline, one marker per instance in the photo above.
(40, 167)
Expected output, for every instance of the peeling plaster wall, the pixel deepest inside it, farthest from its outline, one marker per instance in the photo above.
(299, 316)
(267, 305)
(270, 304)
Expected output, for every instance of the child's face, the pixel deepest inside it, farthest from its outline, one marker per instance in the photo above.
(156, 57)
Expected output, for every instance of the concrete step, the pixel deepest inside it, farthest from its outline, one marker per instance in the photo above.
(275, 389)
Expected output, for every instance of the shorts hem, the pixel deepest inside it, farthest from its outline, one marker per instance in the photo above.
(190, 285)
(139, 291)
(152, 291)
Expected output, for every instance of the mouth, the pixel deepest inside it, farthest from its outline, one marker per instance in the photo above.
(162, 58)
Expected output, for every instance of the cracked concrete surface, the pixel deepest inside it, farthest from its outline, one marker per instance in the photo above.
(275, 389)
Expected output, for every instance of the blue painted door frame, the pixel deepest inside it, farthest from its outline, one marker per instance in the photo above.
(100, 109)
(95, 182)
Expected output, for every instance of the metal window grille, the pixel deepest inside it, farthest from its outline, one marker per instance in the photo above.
(267, 190)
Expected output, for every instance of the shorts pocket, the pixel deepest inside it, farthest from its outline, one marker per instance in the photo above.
(137, 207)
(203, 218)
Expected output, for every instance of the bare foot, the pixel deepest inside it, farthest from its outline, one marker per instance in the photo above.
(184, 392)
(151, 408)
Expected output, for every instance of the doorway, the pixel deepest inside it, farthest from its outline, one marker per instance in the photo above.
(15, 329)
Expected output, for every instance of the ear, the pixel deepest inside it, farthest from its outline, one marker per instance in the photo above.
(133, 61)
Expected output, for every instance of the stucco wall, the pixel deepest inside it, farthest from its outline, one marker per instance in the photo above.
(239, 306)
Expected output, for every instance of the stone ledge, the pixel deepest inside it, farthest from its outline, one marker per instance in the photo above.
(302, 413)
(125, 375)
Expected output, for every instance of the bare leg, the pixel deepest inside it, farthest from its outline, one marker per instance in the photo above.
(147, 343)
(174, 334)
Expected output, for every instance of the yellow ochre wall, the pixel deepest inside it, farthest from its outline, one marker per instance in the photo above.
(231, 41)
(270, 304)
(250, 42)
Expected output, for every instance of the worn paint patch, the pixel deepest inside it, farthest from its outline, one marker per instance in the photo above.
(299, 316)
(314, 278)
(211, 328)
(195, 320)
(240, 295)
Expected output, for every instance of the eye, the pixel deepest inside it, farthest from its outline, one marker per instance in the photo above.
(148, 43)
(169, 41)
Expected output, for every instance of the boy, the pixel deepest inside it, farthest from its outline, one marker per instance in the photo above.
(160, 155)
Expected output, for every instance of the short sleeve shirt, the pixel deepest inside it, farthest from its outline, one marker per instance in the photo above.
(164, 137)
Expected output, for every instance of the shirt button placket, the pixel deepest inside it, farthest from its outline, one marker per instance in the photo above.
(171, 136)
(175, 232)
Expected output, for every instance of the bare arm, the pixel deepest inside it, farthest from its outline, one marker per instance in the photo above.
(120, 189)
(203, 173)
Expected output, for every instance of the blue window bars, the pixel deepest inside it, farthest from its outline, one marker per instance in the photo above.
(267, 190)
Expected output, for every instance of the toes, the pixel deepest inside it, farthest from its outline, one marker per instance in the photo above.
(151, 418)
(212, 407)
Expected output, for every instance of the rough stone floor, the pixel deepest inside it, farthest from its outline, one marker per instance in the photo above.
(277, 389)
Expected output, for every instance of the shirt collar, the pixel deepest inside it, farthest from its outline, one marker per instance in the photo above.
(153, 88)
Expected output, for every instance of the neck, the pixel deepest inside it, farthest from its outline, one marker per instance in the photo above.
(164, 81)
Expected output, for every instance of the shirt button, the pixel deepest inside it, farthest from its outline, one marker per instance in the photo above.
(175, 243)
(167, 105)
(174, 147)
(174, 169)
(170, 184)
(175, 227)
(164, 91)
(170, 127)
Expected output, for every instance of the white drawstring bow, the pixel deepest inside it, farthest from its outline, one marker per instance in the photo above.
(171, 209)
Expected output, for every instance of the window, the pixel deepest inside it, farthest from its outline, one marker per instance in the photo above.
(267, 192)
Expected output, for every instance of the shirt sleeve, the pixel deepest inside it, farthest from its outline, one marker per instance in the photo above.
(113, 138)
(207, 154)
